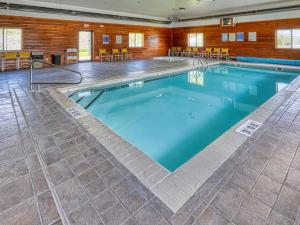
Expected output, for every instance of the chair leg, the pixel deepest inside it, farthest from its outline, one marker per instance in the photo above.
(3, 65)
(18, 63)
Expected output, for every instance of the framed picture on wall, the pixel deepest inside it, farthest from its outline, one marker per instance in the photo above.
(232, 36)
(240, 36)
(252, 36)
(118, 39)
(105, 39)
(224, 37)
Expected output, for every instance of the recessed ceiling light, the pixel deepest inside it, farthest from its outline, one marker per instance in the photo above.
(181, 9)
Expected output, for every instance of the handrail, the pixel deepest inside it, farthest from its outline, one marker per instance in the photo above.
(55, 66)
(199, 61)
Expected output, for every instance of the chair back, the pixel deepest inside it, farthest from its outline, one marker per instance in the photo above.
(102, 51)
(208, 50)
(188, 49)
(225, 51)
(179, 48)
(124, 50)
(195, 49)
(24, 55)
(10, 55)
(217, 50)
(174, 48)
(115, 51)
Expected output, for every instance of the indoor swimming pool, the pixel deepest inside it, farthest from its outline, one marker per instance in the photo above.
(173, 118)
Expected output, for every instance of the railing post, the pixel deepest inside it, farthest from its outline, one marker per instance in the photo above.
(169, 54)
(30, 78)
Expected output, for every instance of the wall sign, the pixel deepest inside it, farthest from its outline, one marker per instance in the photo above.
(224, 37)
(105, 39)
(227, 22)
(232, 36)
(118, 39)
(240, 36)
(252, 36)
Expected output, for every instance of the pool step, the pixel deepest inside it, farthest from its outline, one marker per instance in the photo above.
(91, 102)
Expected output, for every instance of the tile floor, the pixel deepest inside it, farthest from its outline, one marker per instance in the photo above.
(53, 172)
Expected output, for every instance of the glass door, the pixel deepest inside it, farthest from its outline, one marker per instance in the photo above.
(85, 46)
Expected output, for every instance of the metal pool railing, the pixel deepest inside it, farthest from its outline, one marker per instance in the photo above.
(49, 82)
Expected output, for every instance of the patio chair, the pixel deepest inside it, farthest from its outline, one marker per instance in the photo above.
(178, 50)
(224, 53)
(127, 55)
(117, 55)
(24, 57)
(7, 58)
(103, 55)
(207, 52)
(216, 53)
(187, 52)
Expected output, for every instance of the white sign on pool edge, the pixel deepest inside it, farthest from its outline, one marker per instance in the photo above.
(248, 128)
(76, 112)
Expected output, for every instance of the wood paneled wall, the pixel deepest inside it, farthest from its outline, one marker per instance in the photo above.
(263, 47)
(54, 36)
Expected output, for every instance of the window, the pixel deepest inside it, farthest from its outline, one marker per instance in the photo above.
(10, 39)
(136, 40)
(195, 40)
(288, 38)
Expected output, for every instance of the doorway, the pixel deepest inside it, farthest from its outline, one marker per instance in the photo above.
(85, 45)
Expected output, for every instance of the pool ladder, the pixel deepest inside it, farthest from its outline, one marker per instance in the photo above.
(200, 61)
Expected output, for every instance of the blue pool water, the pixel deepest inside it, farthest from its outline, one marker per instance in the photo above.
(171, 119)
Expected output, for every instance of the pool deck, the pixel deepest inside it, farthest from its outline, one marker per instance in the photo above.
(52, 171)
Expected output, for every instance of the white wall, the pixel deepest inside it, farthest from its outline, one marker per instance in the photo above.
(241, 19)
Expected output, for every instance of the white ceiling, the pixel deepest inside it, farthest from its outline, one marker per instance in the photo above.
(162, 9)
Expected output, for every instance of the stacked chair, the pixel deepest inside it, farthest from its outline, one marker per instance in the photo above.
(208, 53)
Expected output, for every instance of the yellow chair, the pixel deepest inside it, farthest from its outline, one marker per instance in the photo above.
(195, 49)
(116, 54)
(187, 52)
(216, 53)
(208, 52)
(9, 57)
(24, 57)
(225, 53)
(178, 50)
(126, 54)
(173, 51)
(103, 55)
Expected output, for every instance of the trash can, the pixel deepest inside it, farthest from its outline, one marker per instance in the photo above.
(56, 59)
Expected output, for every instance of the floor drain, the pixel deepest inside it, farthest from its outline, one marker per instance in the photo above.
(249, 128)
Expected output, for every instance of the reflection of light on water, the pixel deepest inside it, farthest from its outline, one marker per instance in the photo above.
(191, 99)
(137, 84)
(252, 90)
(280, 86)
(84, 94)
(196, 77)
(158, 96)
